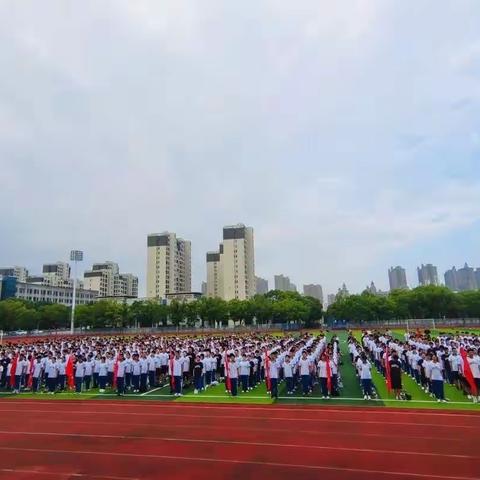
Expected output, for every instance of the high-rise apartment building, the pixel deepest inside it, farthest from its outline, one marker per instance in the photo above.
(106, 279)
(215, 274)
(56, 274)
(231, 269)
(427, 274)
(451, 279)
(282, 283)
(397, 278)
(169, 265)
(466, 279)
(314, 290)
(262, 285)
(20, 273)
(331, 297)
(238, 262)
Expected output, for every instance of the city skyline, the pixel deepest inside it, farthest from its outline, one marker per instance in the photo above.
(441, 276)
(362, 116)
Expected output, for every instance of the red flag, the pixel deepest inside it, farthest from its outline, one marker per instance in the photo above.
(115, 373)
(467, 371)
(387, 371)
(172, 378)
(12, 370)
(329, 375)
(69, 372)
(30, 376)
(228, 383)
(267, 370)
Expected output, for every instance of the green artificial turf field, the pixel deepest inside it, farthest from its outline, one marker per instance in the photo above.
(351, 393)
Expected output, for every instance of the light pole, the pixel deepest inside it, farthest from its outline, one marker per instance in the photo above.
(75, 256)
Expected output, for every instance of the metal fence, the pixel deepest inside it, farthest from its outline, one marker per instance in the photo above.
(411, 323)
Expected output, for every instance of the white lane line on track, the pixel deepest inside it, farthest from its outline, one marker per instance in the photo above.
(63, 474)
(237, 462)
(189, 426)
(238, 442)
(162, 414)
(149, 392)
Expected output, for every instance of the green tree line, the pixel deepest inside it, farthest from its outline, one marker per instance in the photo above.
(421, 302)
(274, 307)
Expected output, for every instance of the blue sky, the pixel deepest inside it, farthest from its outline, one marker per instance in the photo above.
(346, 133)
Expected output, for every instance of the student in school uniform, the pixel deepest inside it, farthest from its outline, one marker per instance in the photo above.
(20, 370)
(365, 368)
(304, 368)
(396, 374)
(102, 374)
(455, 362)
(244, 371)
(176, 371)
(128, 371)
(143, 372)
(62, 369)
(121, 374)
(89, 363)
(473, 360)
(52, 369)
(36, 375)
(323, 376)
(136, 372)
(274, 373)
(233, 374)
(110, 368)
(79, 374)
(152, 369)
(436, 377)
(96, 370)
(288, 374)
(197, 374)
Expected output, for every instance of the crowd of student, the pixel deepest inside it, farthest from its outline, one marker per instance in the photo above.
(143, 363)
(431, 362)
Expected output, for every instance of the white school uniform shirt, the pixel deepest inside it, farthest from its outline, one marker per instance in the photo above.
(96, 366)
(322, 369)
(304, 366)
(288, 370)
(151, 364)
(177, 367)
(52, 369)
(79, 370)
(186, 364)
(474, 365)
(436, 371)
(128, 365)
(102, 369)
(455, 362)
(244, 367)
(366, 371)
(143, 365)
(62, 367)
(88, 367)
(232, 369)
(136, 368)
(37, 369)
(274, 367)
(21, 367)
(110, 364)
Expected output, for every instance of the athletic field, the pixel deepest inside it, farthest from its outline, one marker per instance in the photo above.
(211, 436)
(350, 394)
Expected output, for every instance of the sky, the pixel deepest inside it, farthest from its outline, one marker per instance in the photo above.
(346, 133)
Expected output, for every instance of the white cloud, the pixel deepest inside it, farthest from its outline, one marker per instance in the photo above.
(327, 126)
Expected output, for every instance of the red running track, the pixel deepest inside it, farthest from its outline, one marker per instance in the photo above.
(126, 440)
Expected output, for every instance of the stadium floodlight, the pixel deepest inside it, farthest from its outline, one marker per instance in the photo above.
(75, 256)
